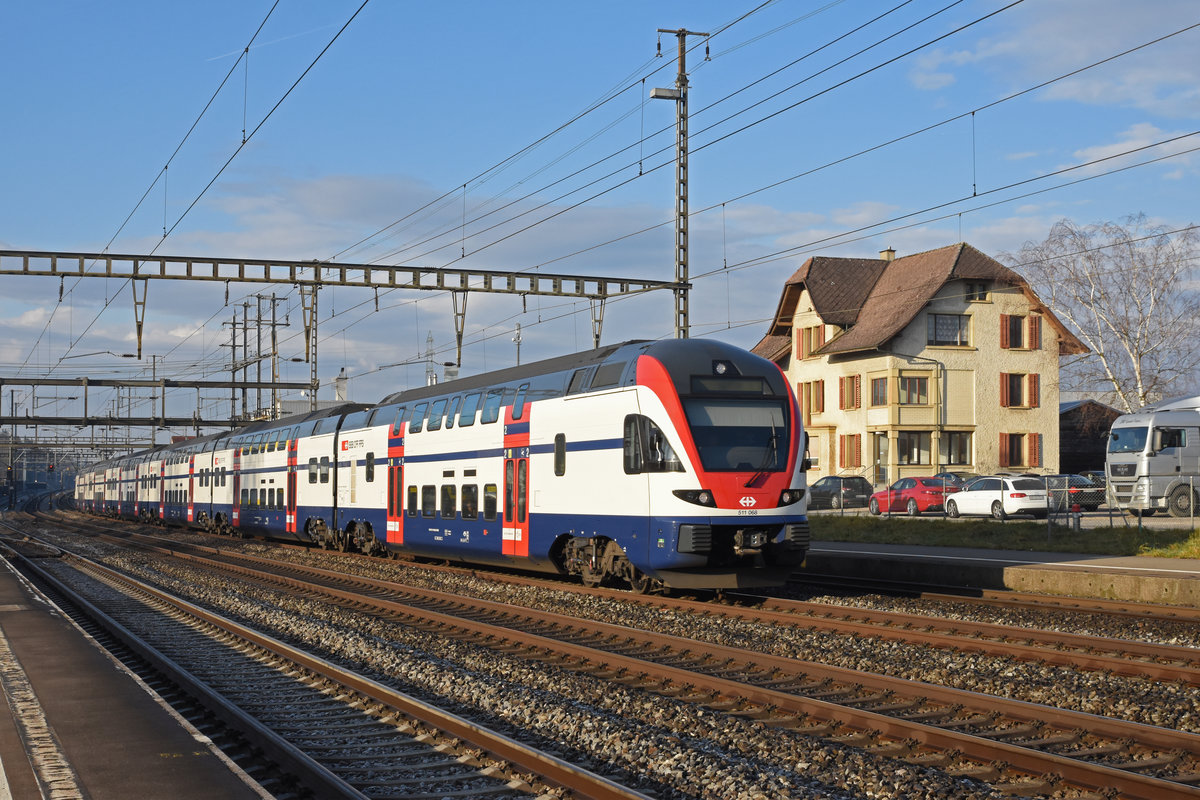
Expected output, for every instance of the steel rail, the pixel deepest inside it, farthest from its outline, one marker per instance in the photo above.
(1088, 776)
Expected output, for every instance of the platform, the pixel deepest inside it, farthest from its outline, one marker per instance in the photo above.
(77, 724)
(1137, 579)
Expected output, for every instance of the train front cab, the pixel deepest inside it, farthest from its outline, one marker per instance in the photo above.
(720, 442)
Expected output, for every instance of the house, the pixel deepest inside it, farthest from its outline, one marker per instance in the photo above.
(942, 360)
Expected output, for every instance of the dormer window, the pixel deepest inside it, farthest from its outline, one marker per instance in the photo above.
(976, 291)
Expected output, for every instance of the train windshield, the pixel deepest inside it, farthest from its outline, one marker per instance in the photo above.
(735, 434)
(1128, 440)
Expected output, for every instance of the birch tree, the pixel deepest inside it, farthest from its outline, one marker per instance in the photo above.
(1129, 292)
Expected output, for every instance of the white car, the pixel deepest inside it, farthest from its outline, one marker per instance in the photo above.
(1000, 498)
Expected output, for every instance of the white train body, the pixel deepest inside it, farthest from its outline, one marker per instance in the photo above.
(667, 464)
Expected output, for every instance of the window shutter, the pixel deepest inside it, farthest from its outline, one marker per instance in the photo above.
(1034, 393)
(1004, 390)
(858, 449)
(857, 392)
(819, 390)
(842, 451)
(1035, 449)
(1035, 333)
(842, 392)
(820, 337)
(1004, 449)
(1004, 331)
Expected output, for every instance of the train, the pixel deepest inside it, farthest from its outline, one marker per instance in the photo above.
(663, 465)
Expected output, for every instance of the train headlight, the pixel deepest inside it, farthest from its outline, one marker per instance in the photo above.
(789, 496)
(700, 497)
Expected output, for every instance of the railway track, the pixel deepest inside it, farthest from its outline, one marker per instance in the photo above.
(339, 734)
(1018, 747)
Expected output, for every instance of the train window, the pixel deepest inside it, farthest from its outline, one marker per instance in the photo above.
(418, 417)
(489, 501)
(312, 470)
(560, 454)
(519, 403)
(452, 411)
(608, 374)
(522, 485)
(399, 420)
(254, 497)
(470, 501)
(491, 406)
(436, 411)
(224, 475)
(273, 443)
(646, 449)
(370, 467)
(449, 501)
(245, 496)
(270, 498)
(412, 501)
(469, 406)
(578, 379)
(324, 469)
(428, 501)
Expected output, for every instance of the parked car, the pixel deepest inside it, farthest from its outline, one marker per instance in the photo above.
(837, 491)
(956, 478)
(1096, 476)
(1000, 497)
(912, 496)
(1079, 491)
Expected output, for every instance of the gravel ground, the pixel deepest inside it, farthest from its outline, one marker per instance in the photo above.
(666, 748)
(696, 753)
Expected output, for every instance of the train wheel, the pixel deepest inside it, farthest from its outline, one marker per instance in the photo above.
(639, 582)
(590, 578)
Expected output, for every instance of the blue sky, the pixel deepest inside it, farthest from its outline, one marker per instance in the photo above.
(415, 100)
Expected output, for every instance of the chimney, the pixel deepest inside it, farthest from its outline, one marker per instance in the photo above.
(887, 255)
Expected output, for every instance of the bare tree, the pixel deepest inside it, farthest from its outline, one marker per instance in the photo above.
(1128, 291)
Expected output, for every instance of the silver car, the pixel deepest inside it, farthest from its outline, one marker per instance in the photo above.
(1000, 498)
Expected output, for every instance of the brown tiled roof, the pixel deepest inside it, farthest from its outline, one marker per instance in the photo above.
(773, 347)
(875, 300)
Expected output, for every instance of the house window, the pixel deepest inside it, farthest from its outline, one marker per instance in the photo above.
(850, 392)
(1020, 391)
(811, 396)
(879, 391)
(1013, 330)
(814, 452)
(976, 291)
(1020, 450)
(914, 391)
(850, 450)
(958, 447)
(948, 329)
(811, 340)
(913, 447)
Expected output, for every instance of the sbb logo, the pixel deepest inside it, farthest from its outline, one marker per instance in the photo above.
(748, 502)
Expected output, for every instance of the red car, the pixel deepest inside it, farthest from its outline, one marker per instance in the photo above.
(912, 496)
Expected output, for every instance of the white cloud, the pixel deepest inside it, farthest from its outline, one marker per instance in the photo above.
(1135, 138)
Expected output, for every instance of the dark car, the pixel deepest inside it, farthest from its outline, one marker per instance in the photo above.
(955, 478)
(1067, 491)
(912, 496)
(836, 491)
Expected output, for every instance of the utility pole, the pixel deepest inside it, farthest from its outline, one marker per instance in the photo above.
(245, 358)
(679, 95)
(517, 340)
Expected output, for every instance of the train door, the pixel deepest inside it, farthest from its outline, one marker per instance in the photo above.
(191, 490)
(290, 521)
(235, 516)
(162, 489)
(516, 477)
(395, 499)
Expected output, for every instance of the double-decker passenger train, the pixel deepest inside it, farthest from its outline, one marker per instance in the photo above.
(672, 464)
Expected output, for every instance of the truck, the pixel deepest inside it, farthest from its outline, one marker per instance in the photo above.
(1153, 459)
